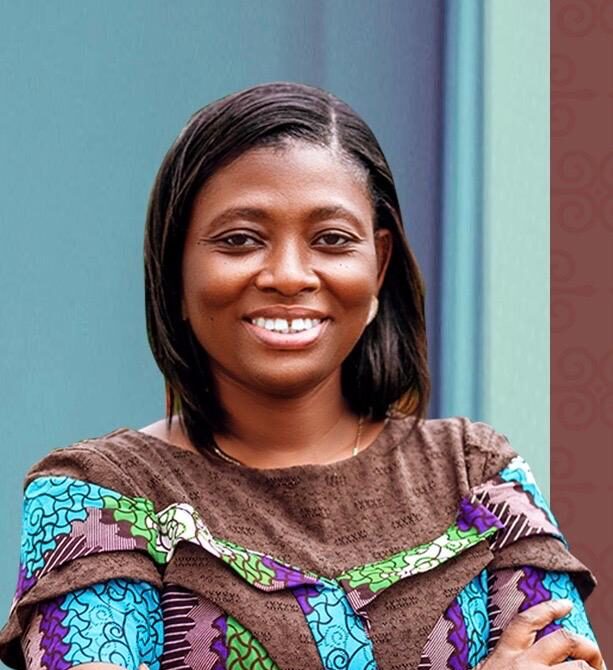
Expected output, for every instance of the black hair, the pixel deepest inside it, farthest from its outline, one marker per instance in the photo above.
(387, 371)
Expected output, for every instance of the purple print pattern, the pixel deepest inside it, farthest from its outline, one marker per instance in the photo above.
(476, 516)
(220, 646)
(53, 632)
(457, 637)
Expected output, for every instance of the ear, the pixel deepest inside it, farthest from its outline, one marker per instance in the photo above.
(383, 246)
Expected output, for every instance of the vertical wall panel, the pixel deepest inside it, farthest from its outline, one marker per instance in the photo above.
(516, 226)
(461, 211)
(495, 302)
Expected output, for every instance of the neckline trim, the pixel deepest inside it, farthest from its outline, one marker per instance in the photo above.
(391, 436)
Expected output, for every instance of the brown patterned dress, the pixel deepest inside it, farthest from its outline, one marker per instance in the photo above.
(414, 554)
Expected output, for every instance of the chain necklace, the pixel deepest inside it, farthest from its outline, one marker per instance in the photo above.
(230, 459)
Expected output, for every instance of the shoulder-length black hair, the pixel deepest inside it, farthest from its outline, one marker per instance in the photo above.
(387, 370)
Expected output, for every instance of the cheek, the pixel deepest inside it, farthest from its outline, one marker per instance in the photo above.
(214, 284)
(353, 281)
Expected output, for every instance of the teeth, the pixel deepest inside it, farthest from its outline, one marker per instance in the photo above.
(283, 326)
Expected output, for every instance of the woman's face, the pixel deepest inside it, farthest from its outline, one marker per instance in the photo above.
(281, 233)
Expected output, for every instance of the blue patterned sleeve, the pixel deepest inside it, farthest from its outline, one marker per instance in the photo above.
(118, 621)
(532, 558)
(560, 585)
(514, 590)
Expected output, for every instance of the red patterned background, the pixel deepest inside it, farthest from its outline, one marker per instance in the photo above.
(582, 291)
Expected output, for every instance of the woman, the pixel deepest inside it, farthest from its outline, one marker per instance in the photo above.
(294, 509)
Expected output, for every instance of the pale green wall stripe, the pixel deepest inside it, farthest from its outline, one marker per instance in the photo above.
(516, 233)
(461, 211)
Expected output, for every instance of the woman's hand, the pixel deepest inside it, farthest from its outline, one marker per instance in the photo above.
(517, 650)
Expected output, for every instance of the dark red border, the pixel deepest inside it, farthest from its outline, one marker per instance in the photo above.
(582, 291)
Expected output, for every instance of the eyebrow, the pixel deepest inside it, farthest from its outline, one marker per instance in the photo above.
(259, 214)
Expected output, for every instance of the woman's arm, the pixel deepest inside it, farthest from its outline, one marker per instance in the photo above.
(515, 590)
(117, 623)
(533, 565)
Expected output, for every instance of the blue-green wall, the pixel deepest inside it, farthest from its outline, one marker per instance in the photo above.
(515, 382)
(494, 358)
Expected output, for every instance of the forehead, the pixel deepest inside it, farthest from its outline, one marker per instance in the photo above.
(298, 170)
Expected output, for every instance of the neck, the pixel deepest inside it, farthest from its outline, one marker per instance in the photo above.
(315, 426)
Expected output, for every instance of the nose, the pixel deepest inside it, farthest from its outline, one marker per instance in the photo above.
(288, 269)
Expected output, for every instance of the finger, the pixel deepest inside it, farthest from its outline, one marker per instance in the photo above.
(521, 631)
(575, 665)
(559, 645)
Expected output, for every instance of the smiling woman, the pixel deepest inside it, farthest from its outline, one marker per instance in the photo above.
(279, 236)
(294, 508)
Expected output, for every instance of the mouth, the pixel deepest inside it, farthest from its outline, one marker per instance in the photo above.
(284, 334)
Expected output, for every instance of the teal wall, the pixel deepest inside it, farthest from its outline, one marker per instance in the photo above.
(93, 94)
(516, 227)
(495, 221)
(461, 212)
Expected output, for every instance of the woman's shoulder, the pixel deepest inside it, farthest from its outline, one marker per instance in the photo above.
(125, 460)
(476, 447)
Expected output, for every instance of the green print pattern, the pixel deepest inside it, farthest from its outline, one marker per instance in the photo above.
(245, 652)
(139, 514)
(249, 565)
(136, 518)
(382, 574)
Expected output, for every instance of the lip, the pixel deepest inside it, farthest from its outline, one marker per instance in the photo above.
(301, 340)
(285, 312)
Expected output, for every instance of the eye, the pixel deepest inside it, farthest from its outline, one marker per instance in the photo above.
(239, 240)
(341, 239)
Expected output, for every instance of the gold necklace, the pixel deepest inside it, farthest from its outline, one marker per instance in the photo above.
(230, 459)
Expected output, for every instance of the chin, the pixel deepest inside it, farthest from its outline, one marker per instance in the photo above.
(289, 386)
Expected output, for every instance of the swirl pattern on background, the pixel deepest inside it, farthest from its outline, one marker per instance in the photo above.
(560, 585)
(245, 652)
(50, 506)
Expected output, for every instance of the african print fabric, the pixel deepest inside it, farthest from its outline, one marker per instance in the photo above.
(116, 622)
(65, 518)
(174, 625)
(472, 625)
